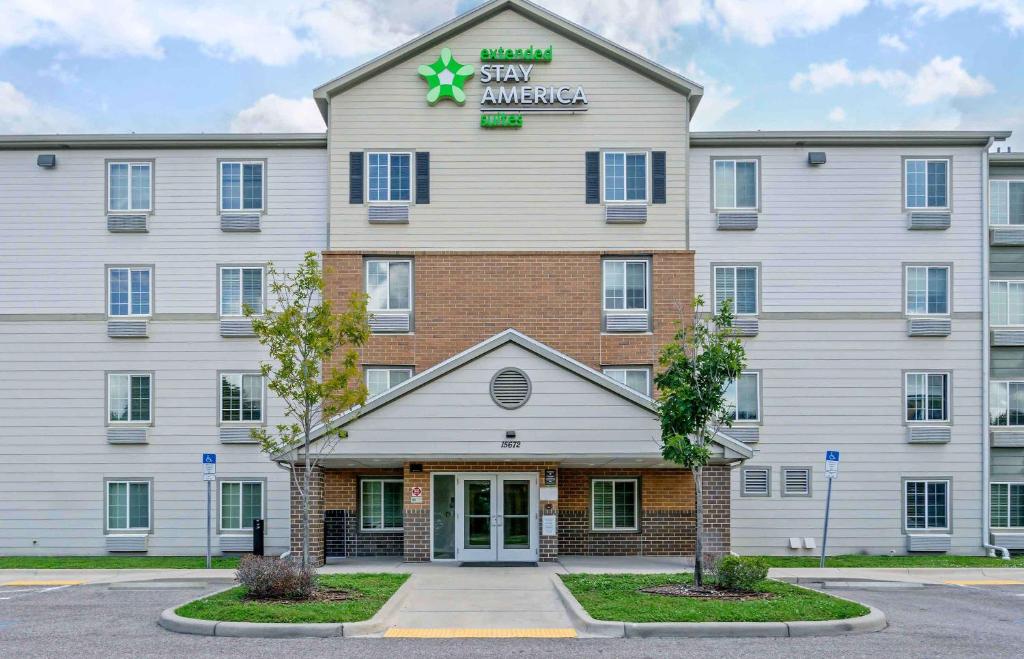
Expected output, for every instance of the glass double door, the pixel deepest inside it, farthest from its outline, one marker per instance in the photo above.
(496, 517)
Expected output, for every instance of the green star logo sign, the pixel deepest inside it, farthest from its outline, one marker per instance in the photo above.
(446, 77)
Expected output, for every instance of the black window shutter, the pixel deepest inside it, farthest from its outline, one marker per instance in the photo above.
(593, 189)
(657, 177)
(422, 177)
(355, 177)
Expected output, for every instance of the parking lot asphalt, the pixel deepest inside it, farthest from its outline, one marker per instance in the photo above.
(103, 620)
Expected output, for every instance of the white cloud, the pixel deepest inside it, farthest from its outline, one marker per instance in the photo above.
(718, 100)
(893, 41)
(837, 114)
(1011, 12)
(20, 114)
(59, 72)
(274, 114)
(938, 79)
(762, 21)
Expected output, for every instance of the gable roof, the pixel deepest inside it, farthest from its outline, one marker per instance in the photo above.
(692, 90)
(489, 345)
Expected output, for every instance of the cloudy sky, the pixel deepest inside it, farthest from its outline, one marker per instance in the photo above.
(234, 65)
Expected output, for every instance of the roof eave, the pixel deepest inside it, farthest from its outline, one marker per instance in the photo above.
(165, 141)
(979, 138)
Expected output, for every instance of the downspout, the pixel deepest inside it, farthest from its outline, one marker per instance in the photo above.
(986, 454)
(284, 465)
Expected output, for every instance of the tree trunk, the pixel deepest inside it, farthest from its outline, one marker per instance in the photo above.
(305, 508)
(698, 544)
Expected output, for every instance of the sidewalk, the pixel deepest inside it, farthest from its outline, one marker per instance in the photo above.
(907, 575)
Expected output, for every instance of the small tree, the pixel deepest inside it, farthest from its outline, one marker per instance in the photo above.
(303, 335)
(697, 368)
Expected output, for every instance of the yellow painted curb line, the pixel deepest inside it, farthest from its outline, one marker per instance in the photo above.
(44, 582)
(987, 582)
(408, 632)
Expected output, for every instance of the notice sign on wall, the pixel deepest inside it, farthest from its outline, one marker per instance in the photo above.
(549, 525)
(416, 494)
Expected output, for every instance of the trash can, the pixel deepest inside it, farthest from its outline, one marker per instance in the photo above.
(257, 537)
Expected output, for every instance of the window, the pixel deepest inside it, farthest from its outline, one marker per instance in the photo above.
(638, 379)
(927, 183)
(379, 380)
(129, 397)
(389, 285)
(1006, 202)
(739, 284)
(1006, 404)
(743, 397)
(129, 291)
(927, 396)
(1007, 509)
(1006, 303)
(625, 176)
(380, 504)
(127, 505)
(240, 503)
(241, 397)
(241, 186)
(756, 482)
(927, 505)
(389, 177)
(796, 481)
(735, 184)
(625, 285)
(927, 290)
(129, 186)
(614, 504)
(239, 288)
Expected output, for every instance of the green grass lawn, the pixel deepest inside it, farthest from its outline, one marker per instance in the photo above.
(617, 597)
(373, 589)
(112, 562)
(857, 560)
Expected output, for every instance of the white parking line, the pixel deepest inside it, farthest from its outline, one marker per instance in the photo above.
(26, 591)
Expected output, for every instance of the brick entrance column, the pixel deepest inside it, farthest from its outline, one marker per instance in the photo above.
(316, 516)
(717, 511)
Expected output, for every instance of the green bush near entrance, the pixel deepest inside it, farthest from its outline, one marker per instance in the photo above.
(371, 591)
(113, 562)
(618, 597)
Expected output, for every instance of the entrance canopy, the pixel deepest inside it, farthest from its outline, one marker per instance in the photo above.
(508, 399)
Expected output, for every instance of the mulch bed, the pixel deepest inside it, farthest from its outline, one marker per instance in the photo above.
(319, 595)
(705, 592)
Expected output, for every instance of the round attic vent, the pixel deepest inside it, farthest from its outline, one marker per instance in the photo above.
(510, 388)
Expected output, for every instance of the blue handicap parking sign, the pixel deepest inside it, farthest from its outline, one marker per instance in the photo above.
(211, 458)
(832, 456)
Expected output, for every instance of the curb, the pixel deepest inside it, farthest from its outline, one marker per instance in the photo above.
(172, 622)
(874, 621)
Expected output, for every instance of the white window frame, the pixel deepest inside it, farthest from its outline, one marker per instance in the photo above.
(927, 284)
(220, 397)
(784, 490)
(390, 370)
(130, 375)
(382, 529)
(714, 184)
(1006, 199)
(412, 177)
(1009, 485)
(625, 187)
(1005, 383)
(241, 186)
(1008, 282)
(757, 288)
(646, 370)
(948, 394)
(131, 178)
(366, 283)
(220, 508)
(128, 506)
(906, 509)
(757, 376)
(241, 290)
(745, 492)
(906, 183)
(130, 269)
(636, 505)
(625, 294)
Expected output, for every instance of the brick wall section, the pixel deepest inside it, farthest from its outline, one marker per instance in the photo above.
(343, 535)
(666, 525)
(316, 515)
(717, 512)
(462, 298)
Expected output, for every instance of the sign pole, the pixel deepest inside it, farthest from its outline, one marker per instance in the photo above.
(209, 561)
(831, 473)
(209, 475)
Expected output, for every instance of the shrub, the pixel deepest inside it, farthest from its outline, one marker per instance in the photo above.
(269, 577)
(741, 572)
